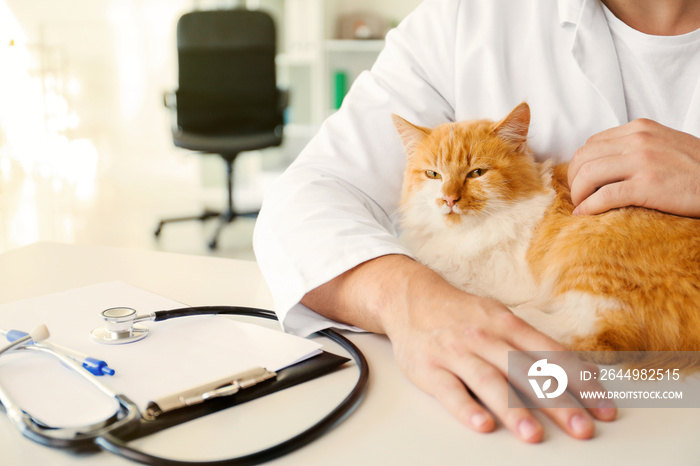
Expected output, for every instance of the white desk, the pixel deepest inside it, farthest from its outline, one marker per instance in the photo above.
(395, 424)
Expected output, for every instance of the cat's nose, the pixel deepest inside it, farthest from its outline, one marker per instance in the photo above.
(451, 200)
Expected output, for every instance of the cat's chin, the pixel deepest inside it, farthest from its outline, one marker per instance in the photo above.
(453, 218)
(446, 210)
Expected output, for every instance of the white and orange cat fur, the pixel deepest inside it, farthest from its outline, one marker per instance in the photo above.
(478, 209)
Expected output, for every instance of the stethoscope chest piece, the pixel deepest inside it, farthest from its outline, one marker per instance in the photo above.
(119, 327)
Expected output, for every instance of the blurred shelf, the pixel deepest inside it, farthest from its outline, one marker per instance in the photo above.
(347, 45)
(295, 59)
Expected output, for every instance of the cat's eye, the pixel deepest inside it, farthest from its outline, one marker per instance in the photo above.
(433, 175)
(476, 173)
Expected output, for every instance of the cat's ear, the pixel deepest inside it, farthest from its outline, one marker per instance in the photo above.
(515, 126)
(410, 134)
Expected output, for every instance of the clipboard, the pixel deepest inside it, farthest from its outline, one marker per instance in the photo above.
(309, 369)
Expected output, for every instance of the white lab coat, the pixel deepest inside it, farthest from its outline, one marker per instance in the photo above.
(450, 60)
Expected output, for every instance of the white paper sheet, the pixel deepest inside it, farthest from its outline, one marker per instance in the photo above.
(178, 354)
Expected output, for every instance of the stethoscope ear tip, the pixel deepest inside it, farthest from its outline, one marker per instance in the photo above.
(39, 333)
(18, 338)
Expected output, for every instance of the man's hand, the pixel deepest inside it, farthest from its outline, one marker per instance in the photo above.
(641, 163)
(445, 340)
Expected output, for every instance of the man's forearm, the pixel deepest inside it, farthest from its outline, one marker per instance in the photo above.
(373, 294)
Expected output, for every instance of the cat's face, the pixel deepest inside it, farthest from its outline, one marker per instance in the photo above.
(468, 168)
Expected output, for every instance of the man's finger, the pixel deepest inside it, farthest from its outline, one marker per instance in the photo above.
(454, 396)
(492, 388)
(610, 196)
(594, 152)
(597, 173)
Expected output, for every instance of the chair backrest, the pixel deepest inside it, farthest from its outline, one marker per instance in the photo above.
(226, 71)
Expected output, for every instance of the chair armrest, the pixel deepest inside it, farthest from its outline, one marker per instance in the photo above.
(170, 99)
(170, 102)
(283, 101)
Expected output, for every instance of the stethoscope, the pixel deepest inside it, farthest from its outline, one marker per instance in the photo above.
(121, 327)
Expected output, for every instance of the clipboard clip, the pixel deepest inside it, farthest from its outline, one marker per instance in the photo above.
(226, 386)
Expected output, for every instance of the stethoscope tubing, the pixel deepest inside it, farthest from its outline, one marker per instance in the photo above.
(107, 440)
(84, 436)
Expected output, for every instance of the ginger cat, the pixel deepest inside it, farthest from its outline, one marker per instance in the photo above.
(478, 209)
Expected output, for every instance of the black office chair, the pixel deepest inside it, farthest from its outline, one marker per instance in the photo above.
(227, 101)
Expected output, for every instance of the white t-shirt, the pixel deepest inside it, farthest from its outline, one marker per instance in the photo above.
(659, 73)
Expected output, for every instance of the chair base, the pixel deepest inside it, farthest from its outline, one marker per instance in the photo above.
(224, 219)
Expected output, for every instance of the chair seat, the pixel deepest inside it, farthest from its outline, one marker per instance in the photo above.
(227, 143)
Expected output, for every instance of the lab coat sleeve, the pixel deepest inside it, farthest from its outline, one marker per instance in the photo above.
(336, 205)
